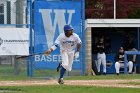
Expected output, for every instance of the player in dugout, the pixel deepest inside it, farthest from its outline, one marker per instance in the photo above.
(120, 61)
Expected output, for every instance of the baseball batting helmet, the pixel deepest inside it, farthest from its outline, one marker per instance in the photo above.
(68, 30)
(68, 27)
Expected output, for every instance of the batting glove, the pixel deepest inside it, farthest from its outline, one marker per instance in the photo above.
(76, 55)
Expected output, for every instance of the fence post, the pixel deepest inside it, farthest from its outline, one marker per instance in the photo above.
(17, 67)
(88, 52)
(30, 63)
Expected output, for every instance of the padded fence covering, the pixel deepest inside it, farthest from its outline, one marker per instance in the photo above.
(49, 20)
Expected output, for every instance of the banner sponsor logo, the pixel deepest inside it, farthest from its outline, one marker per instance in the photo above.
(14, 41)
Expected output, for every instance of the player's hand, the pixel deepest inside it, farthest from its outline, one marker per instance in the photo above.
(76, 55)
(47, 52)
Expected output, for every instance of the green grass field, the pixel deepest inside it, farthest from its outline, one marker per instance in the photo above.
(67, 89)
(7, 74)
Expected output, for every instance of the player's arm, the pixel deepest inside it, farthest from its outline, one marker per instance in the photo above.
(78, 47)
(51, 49)
(78, 50)
(79, 43)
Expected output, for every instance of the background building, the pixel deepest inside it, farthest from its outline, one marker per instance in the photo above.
(115, 20)
(108, 9)
(12, 11)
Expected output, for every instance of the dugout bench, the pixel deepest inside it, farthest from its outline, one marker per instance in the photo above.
(110, 58)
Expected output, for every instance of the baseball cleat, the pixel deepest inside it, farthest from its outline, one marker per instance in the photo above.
(104, 73)
(130, 73)
(60, 81)
(99, 73)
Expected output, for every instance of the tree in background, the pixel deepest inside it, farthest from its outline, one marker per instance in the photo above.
(125, 9)
(135, 14)
(105, 8)
(99, 9)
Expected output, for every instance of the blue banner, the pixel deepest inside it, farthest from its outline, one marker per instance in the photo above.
(49, 20)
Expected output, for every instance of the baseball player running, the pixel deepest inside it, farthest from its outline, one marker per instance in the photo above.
(67, 42)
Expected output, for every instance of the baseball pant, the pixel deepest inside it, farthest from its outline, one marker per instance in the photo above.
(101, 58)
(134, 56)
(67, 59)
(118, 65)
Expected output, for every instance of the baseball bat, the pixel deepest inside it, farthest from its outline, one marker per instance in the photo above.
(29, 55)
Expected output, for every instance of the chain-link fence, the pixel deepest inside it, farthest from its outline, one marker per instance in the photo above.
(13, 14)
(16, 14)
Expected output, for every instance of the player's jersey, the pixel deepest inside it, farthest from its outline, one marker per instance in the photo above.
(67, 43)
(100, 48)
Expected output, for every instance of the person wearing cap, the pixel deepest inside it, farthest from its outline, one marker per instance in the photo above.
(101, 56)
(120, 61)
(67, 41)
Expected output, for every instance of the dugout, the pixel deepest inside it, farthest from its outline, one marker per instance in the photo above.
(115, 32)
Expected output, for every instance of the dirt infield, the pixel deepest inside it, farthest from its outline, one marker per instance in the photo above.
(99, 83)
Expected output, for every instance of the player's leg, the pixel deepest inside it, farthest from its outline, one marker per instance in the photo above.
(104, 63)
(58, 67)
(134, 56)
(117, 67)
(98, 62)
(62, 72)
(134, 60)
(65, 61)
(130, 66)
(63, 66)
(70, 58)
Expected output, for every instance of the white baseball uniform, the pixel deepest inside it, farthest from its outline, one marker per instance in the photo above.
(118, 65)
(101, 56)
(67, 46)
(120, 62)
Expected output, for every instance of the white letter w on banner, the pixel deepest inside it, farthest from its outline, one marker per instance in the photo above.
(50, 25)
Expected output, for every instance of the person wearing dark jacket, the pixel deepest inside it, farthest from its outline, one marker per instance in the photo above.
(120, 61)
(129, 45)
(101, 56)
